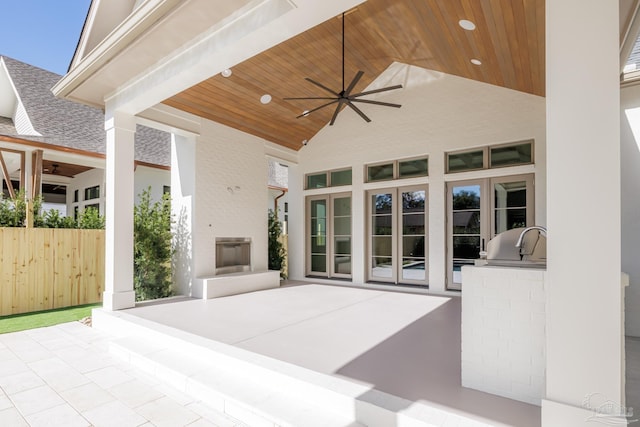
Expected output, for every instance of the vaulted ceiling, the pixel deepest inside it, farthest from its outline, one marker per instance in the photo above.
(508, 40)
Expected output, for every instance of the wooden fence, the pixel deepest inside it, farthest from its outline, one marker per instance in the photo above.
(43, 268)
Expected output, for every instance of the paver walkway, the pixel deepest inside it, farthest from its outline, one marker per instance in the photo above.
(63, 376)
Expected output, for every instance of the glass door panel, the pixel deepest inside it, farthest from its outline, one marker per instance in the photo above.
(318, 238)
(342, 236)
(413, 236)
(510, 205)
(466, 228)
(382, 264)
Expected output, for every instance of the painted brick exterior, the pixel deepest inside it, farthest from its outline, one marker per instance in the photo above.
(503, 332)
(231, 194)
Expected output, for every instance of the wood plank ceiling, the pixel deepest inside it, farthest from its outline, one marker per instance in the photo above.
(508, 39)
(62, 169)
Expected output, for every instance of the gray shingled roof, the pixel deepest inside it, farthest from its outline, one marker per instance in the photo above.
(73, 125)
(6, 126)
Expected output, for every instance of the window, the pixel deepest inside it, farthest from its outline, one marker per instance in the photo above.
(76, 196)
(478, 210)
(397, 169)
(470, 160)
(92, 193)
(382, 172)
(317, 180)
(410, 168)
(95, 206)
(166, 189)
(334, 178)
(496, 156)
(508, 155)
(329, 235)
(342, 177)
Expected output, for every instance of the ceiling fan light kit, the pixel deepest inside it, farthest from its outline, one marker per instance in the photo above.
(345, 97)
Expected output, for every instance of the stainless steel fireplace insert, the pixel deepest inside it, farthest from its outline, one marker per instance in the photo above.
(233, 254)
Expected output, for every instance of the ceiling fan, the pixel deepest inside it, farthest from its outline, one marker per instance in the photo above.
(345, 97)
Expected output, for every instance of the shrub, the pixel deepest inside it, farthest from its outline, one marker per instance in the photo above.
(152, 247)
(53, 219)
(13, 212)
(90, 218)
(277, 253)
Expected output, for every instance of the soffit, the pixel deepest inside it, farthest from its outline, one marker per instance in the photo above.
(168, 29)
(509, 40)
(52, 167)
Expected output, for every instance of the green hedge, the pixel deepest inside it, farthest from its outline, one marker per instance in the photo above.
(13, 213)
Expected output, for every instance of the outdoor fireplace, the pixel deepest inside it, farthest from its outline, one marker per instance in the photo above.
(233, 254)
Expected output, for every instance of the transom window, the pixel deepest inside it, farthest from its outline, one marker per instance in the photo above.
(333, 178)
(494, 156)
(397, 169)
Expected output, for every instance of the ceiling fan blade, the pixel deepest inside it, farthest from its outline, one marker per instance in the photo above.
(357, 110)
(316, 109)
(335, 114)
(321, 85)
(354, 82)
(368, 101)
(314, 97)
(369, 92)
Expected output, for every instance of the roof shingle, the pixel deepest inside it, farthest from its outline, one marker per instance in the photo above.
(73, 125)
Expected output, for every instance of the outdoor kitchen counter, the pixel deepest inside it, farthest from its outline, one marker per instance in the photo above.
(503, 331)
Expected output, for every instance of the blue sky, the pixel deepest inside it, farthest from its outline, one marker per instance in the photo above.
(43, 33)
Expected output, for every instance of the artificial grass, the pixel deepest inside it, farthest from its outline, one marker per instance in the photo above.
(24, 321)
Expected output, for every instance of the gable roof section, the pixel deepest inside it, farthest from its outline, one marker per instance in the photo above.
(72, 125)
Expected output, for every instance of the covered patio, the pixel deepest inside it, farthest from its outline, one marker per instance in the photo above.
(405, 347)
(468, 91)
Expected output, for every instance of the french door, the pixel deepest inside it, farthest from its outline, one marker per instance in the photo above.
(397, 249)
(329, 235)
(480, 209)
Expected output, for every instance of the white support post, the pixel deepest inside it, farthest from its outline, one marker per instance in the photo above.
(183, 187)
(584, 312)
(119, 293)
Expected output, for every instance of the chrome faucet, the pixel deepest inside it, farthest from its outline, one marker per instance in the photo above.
(526, 230)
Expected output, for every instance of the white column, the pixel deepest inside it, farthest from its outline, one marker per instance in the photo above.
(296, 248)
(119, 293)
(584, 330)
(183, 188)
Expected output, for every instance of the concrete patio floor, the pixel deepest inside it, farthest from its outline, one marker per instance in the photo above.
(406, 345)
(63, 376)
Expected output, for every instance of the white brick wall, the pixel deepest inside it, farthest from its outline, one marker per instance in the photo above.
(503, 332)
(437, 115)
(231, 194)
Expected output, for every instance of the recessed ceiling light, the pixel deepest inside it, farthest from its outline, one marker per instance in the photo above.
(305, 113)
(226, 73)
(265, 99)
(467, 25)
(304, 142)
(475, 61)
